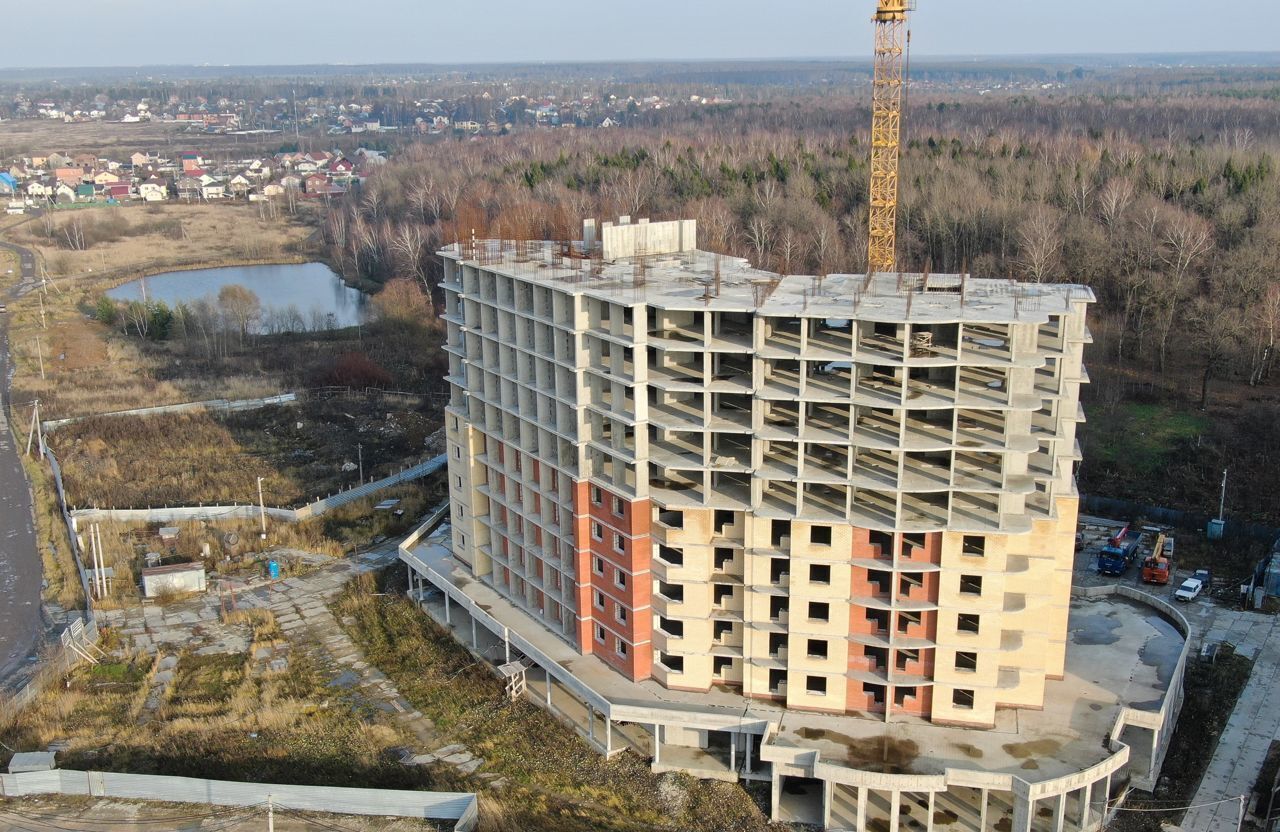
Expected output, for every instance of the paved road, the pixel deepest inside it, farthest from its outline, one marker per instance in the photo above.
(20, 569)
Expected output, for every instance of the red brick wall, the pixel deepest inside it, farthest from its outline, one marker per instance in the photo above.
(633, 562)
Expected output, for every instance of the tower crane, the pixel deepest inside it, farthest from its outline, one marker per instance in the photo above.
(892, 38)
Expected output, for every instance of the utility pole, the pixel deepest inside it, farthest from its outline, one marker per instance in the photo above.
(1222, 503)
(40, 356)
(262, 509)
(271, 815)
(360, 456)
(43, 325)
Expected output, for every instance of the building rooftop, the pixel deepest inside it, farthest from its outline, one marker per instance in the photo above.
(696, 280)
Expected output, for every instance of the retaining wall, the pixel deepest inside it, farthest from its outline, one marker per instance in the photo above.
(459, 808)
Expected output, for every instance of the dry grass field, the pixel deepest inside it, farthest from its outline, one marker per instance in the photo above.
(116, 140)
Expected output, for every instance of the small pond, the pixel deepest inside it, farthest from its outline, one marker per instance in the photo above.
(294, 297)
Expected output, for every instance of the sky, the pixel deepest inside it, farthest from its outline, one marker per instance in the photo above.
(255, 32)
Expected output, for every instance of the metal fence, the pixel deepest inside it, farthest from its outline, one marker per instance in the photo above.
(1131, 509)
(458, 808)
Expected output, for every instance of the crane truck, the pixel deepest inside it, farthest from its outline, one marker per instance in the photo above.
(1120, 552)
(1158, 566)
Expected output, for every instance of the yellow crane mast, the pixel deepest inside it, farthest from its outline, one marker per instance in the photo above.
(886, 132)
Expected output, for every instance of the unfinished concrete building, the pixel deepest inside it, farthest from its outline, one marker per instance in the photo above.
(849, 496)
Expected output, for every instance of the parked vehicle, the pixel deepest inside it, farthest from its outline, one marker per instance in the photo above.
(1120, 552)
(1159, 564)
(1190, 589)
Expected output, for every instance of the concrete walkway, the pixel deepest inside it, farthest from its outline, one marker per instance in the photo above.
(1254, 724)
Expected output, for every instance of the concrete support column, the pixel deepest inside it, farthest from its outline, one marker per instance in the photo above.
(1060, 813)
(1086, 807)
(448, 617)
(933, 796)
(608, 739)
(591, 723)
(982, 812)
(733, 751)
(475, 637)
(862, 807)
(827, 788)
(775, 796)
(657, 743)
(1023, 810)
(506, 640)
(895, 805)
(549, 683)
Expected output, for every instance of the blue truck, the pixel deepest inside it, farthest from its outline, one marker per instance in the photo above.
(1120, 552)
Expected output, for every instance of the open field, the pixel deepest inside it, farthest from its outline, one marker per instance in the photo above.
(304, 451)
(27, 136)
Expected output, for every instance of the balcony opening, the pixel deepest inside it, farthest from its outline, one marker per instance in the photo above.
(967, 662)
(779, 571)
(905, 658)
(722, 630)
(818, 648)
(671, 627)
(912, 542)
(675, 557)
(877, 658)
(673, 663)
(777, 608)
(777, 644)
(724, 559)
(886, 328)
(881, 581)
(906, 621)
(975, 545)
(723, 518)
(883, 541)
(720, 665)
(819, 611)
(816, 685)
(909, 583)
(721, 594)
(962, 699)
(777, 682)
(968, 623)
(876, 692)
(781, 537)
(904, 695)
(879, 620)
(820, 574)
(820, 535)
(970, 585)
(672, 592)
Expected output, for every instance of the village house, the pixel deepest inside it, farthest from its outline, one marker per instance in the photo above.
(154, 189)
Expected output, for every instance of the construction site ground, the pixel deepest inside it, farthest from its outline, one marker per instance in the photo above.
(1254, 723)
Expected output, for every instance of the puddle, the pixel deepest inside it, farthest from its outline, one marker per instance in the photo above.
(1030, 765)
(885, 755)
(946, 817)
(1162, 650)
(1035, 748)
(1089, 629)
(970, 751)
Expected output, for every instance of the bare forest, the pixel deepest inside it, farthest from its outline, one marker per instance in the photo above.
(1167, 205)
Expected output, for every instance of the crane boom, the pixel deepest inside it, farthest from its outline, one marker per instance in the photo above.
(886, 132)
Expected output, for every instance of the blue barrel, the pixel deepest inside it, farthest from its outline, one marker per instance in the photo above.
(273, 569)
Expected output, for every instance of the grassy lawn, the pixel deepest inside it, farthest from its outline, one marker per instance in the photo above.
(1140, 440)
(555, 781)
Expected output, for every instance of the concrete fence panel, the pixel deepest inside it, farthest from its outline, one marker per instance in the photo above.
(458, 808)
